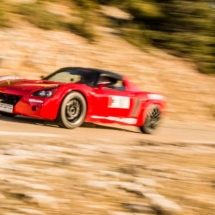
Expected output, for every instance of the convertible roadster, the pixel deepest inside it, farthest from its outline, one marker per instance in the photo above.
(73, 95)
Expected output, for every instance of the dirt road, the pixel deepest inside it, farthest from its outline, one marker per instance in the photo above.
(20, 127)
(105, 170)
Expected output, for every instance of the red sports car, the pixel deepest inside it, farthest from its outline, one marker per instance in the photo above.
(73, 95)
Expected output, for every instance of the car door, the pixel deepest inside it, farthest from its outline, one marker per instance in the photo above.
(114, 104)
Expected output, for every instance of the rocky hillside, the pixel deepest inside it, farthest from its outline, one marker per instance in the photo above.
(30, 52)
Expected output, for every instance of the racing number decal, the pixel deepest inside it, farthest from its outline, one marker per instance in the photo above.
(119, 102)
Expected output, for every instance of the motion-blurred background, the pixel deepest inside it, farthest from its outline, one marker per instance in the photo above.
(164, 46)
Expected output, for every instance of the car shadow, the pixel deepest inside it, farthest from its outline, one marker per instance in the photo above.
(26, 120)
(99, 126)
(40, 122)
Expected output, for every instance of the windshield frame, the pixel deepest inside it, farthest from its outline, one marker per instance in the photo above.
(89, 73)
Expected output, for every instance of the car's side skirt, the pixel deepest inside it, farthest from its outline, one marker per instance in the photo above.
(129, 121)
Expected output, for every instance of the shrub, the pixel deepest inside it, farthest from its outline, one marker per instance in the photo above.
(82, 29)
(143, 9)
(136, 37)
(3, 20)
(4, 7)
(212, 109)
(87, 4)
(37, 15)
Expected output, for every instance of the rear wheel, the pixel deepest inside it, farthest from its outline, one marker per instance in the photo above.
(72, 111)
(7, 114)
(152, 120)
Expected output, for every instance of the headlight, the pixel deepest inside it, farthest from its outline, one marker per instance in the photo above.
(44, 93)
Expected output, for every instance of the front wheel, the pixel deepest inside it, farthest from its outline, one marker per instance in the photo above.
(152, 120)
(72, 111)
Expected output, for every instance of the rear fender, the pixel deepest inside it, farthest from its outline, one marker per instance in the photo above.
(145, 109)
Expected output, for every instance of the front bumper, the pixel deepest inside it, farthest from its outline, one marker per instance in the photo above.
(32, 106)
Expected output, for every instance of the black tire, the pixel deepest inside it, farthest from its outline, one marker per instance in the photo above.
(73, 111)
(152, 120)
(7, 114)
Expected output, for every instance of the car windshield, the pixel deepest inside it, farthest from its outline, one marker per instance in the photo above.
(72, 76)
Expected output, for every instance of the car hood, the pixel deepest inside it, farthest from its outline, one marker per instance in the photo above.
(21, 87)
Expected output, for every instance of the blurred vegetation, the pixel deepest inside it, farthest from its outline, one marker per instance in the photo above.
(3, 20)
(83, 30)
(184, 28)
(137, 36)
(37, 15)
(212, 108)
(88, 4)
